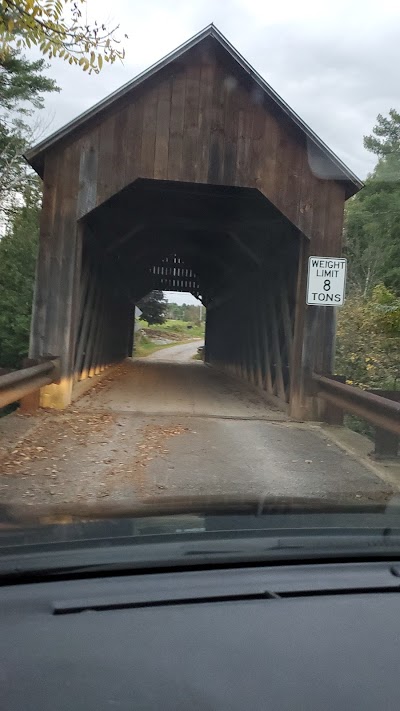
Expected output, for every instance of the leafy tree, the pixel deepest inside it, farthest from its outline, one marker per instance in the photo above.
(184, 312)
(368, 339)
(153, 307)
(368, 333)
(372, 226)
(58, 29)
(385, 141)
(18, 250)
(22, 85)
(22, 80)
(174, 311)
(372, 232)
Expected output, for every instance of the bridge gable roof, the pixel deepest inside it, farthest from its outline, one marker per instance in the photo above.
(321, 158)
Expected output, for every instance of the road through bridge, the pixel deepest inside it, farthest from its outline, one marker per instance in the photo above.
(170, 426)
(195, 176)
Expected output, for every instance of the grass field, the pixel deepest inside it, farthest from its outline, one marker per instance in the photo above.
(175, 331)
(144, 346)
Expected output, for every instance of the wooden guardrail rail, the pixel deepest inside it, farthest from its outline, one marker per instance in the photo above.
(19, 383)
(381, 411)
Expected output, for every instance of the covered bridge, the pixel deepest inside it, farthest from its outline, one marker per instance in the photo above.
(194, 176)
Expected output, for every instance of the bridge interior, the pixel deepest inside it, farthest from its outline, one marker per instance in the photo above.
(230, 247)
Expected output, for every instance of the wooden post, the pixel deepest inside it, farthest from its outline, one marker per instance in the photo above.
(131, 334)
(69, 192)
(328, 412)
(264, 342)
(314, 332)
(209, 333)
(301, 326)
(386, 444)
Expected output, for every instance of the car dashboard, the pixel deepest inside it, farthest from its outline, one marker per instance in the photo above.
(303, 636)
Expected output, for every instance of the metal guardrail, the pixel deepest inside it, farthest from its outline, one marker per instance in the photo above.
(380, 411)
(18, 383)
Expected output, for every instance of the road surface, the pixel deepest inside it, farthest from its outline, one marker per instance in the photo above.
(168, 426)
(176, 354)
(169, 382)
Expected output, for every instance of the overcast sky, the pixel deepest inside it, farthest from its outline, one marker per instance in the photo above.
(335, 62)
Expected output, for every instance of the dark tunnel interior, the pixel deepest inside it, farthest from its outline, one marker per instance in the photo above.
(229, 247)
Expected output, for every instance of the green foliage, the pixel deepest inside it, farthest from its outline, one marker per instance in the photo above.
(372, 232)
(176, 329)
(17, 269)
(386, 139)
(368, 340)
(185, 312)
(57, 28)
(22, 85)
(144, 346)
(372, 224)
(147, 340)
(22, 80)
(368, 334)
(153, 308)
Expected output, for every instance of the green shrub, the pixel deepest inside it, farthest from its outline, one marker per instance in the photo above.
(368, 340)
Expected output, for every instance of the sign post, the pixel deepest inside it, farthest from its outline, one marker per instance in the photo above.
(326, 281)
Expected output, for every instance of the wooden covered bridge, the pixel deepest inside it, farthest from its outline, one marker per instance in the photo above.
(195, 176)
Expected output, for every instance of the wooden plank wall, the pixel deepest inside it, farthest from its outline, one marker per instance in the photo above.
(105, 318)
(57, 275)
(198, 123)
(250, 335)
(194, 122)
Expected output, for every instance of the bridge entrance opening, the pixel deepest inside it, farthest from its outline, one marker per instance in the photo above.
(229, 247)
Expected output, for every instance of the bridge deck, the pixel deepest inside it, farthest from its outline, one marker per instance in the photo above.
(162, 426)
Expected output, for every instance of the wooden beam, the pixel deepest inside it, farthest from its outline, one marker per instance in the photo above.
(115, 244)
(87, 291)
(163, 130)
(37, 343)
(89, 346)
(245, 249)
(297, 374)
(87, 194)
(279, 385)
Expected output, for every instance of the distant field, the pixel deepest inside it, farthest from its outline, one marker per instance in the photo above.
(176, 330)
(146, 341)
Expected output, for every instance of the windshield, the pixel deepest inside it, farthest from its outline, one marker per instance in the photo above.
(199, 280)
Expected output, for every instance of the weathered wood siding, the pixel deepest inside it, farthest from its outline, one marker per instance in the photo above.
(196, 121)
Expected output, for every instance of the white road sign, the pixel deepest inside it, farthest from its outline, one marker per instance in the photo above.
(326, 281)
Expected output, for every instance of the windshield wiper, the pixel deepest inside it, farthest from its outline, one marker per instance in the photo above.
(268, 547)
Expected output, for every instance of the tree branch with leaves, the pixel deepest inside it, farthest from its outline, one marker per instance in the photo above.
(58, 29)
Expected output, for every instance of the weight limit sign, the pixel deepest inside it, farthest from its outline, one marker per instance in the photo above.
(326, 281)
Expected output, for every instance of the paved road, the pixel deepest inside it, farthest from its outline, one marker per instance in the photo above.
(176, 354)
(157, 427)
(163, 384)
